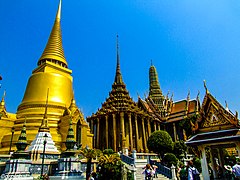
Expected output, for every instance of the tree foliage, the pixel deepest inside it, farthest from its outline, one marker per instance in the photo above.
(179, 149)
(110, 166)
(160, 142)
(89, 154)
(169, 159)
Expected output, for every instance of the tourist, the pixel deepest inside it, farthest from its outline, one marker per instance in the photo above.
(147, 172)
(183, 172)
(193, 173)
(236, 170)
(154, 167)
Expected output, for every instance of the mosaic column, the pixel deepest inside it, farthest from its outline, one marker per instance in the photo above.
(149, 127)
(130, 131)
(122, 129)
(154, 123)
(174, 132)
(97, 134)
(114, 133)
(136, 126)
(144, 135)
(106, 118)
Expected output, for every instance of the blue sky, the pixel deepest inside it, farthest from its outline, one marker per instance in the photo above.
(188, 41)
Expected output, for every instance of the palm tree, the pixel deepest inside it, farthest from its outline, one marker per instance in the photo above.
(89, 154)
(110, 166)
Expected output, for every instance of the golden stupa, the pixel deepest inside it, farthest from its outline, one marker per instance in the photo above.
(51, 73)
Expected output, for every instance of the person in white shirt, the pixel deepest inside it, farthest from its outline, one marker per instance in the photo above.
(236, 170)
(193, 173)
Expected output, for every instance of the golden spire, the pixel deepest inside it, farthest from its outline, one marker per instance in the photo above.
(44, 126)
(2, 103)
(118, 76)
(54, 50)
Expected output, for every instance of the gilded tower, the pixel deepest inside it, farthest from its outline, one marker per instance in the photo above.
(51, 73)
(166, 114)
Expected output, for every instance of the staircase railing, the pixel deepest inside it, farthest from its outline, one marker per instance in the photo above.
(127, 159)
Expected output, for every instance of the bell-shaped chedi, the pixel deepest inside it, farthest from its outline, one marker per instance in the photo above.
(51, 73)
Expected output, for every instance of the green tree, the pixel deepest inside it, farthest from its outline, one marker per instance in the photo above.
(89, 154)
(179, 149)
(110, 166)
(160, 142)
(169, 159)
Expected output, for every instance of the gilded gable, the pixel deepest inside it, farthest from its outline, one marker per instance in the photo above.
(214, 118)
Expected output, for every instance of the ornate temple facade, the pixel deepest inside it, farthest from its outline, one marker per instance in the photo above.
(51, 73)
(120, 123)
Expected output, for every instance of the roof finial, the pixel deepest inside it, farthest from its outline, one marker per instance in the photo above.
(205, 86)
(226, 104)
(171, 96)
(198, 94)
(151, 62)
(188, 95)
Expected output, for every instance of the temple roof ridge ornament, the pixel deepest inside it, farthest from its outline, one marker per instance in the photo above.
(53, 51)
(205, 86)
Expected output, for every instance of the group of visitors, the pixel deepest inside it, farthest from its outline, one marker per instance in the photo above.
(190, 172)
(233, 172)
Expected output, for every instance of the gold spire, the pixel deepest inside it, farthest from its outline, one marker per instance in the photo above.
(2, 103)
(54, 50)
(118, 76)
(44, 126)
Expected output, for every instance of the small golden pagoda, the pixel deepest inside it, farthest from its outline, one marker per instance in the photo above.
(51, 73)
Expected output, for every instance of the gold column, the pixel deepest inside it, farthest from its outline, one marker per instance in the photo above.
(122, 124)
(122, 130)
(155, 128)
(144, 135)
(136, 126)
(149, 127)
(174, 132)
(159, 126)
(106, 131)
(130, 129)
(91, 125)
(114, 133)
(97, 134)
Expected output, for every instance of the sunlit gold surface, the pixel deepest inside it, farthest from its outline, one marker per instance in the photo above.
(52, 73)
(54, 48)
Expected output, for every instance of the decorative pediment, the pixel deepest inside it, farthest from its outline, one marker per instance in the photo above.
(214, 118)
